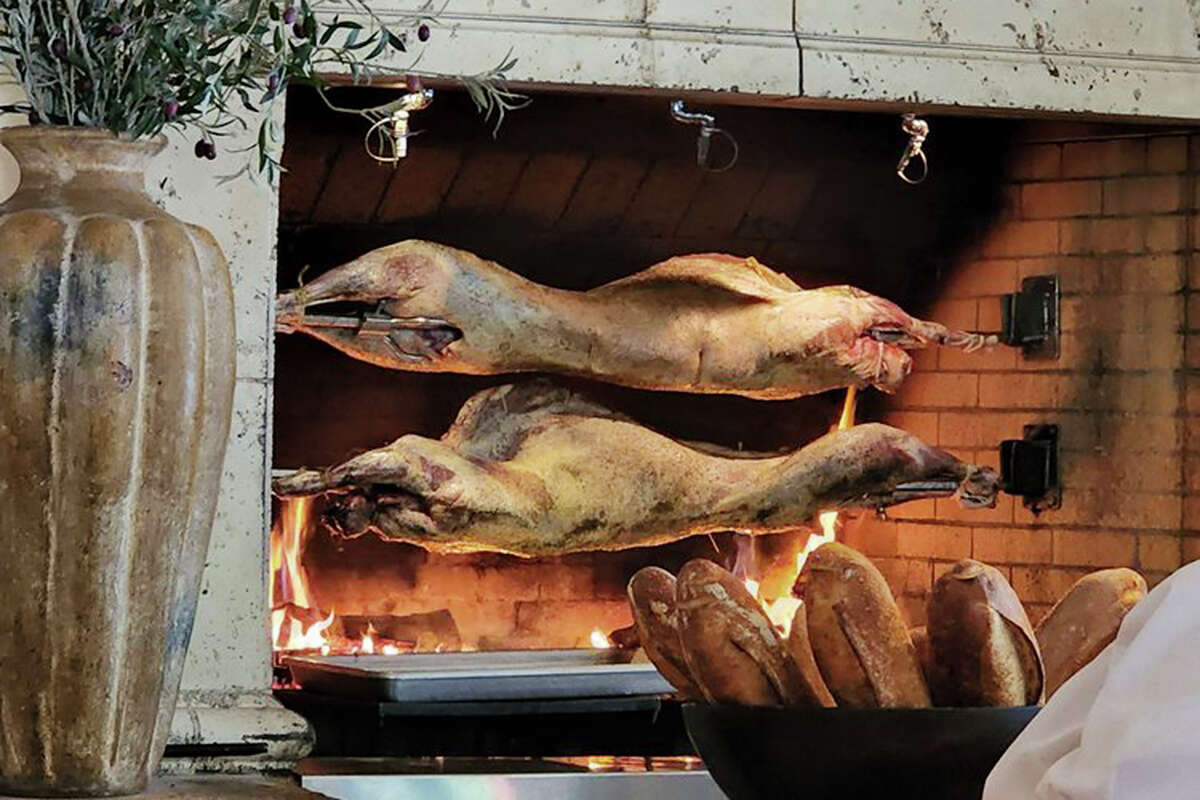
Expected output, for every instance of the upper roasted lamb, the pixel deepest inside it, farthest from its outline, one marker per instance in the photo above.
(534, 470)
(711, 323)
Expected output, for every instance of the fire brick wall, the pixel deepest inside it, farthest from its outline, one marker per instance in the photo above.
(1114, 216)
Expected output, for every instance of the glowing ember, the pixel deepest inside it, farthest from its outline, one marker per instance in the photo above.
(599, 640)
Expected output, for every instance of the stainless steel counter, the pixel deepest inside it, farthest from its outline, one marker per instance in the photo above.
(509, 779)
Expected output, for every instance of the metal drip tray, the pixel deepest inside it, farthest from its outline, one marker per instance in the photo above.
(479, 676)
(523, 779)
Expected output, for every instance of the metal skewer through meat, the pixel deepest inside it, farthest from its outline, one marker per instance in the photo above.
(535, 470)
(714, 324)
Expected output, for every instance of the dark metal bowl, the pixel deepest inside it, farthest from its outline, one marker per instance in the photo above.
(930, 753)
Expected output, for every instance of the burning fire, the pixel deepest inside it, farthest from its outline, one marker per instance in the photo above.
(288, 584)
(297, 624)
(782, 609)
(368, 641)
(599, 640)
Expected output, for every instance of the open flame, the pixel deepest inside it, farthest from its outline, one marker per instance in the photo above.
(297, 624)
(368, 641)
(288, 582)
(599, 640)
(781, 609)
(292, 608)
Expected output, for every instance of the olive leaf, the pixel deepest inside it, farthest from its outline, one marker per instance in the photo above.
(137, 66)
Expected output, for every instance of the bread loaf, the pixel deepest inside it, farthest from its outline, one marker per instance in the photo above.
(651, 593)
(732, 650)
(983, 646)
(1085, 620)
(800, 649)
(858, 636)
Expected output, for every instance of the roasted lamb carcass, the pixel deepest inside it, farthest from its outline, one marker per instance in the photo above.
(536, 470)
(713, 324)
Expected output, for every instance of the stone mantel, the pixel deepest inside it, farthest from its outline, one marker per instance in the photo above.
(1116, 58)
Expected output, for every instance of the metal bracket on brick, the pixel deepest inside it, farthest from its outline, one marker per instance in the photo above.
(1030, 317)
(1029, 468)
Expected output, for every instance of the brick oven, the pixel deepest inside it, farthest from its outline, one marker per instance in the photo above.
(559, 198)
(1109, 209)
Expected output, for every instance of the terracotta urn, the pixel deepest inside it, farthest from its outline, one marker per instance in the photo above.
(116, 385)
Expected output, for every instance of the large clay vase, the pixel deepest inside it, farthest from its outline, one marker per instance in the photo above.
(116, 385)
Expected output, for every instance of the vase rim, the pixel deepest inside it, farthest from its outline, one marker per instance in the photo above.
(27, 134)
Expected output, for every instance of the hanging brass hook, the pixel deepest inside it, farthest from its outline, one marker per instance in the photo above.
(917, 130)
(392, 131)
(708, 126)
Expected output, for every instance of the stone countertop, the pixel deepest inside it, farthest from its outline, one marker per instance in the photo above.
(221, 787)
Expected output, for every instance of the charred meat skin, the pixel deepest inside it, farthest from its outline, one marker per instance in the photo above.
(710, 324)
(535, 470)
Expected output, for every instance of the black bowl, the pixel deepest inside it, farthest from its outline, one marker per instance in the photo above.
(851, 753)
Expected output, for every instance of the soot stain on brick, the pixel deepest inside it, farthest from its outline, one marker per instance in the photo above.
(1085, 390)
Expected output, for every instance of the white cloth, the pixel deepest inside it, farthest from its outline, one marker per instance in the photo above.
(1127, 725)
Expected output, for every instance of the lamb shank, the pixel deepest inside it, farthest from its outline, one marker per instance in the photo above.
(534, 470)
(713, 324)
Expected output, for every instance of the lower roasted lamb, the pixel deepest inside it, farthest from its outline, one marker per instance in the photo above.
(534, 470)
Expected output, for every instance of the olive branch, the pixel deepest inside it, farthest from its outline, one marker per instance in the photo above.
(138, 66)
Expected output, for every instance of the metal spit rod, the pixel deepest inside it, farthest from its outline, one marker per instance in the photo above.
(364, 324)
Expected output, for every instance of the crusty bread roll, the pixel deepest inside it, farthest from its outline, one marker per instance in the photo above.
(858, 636)
(1085, 620)
(733, 652)
(652, 597)
(800, 649)
(984, 649)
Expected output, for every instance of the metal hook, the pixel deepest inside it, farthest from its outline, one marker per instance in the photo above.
(708, 127)
(392, 131)
(917, 130)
